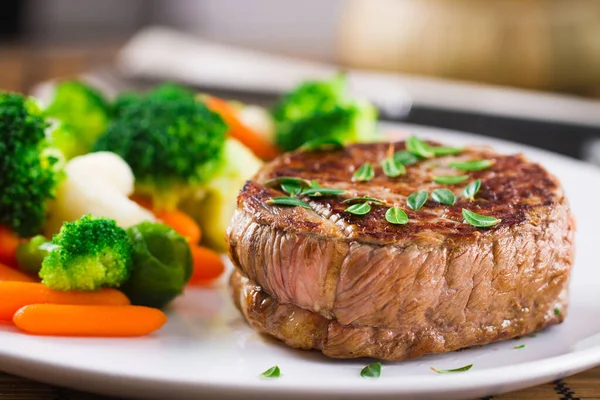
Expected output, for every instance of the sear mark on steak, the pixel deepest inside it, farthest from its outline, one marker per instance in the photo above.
(359, 286)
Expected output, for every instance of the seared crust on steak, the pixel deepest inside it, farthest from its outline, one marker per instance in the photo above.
(360, 286)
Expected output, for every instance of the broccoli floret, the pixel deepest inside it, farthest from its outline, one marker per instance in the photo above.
(322, 109)
(29, 169)
(88, 254)
(171, 91)
(172, 143)
(165, 92)
(82, 114)
(214, 210)
(162, 265)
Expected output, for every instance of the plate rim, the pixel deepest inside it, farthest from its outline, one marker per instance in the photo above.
(530, 372)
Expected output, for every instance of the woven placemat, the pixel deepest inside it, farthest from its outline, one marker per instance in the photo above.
(585, 385)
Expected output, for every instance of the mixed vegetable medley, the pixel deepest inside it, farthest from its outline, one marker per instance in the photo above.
(109, 208)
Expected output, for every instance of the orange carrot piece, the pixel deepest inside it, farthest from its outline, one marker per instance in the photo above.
(8, 246)
(98, 321)
(254, 141)
(207, 265)
(10, 274)
(14, 295)
(182, 223)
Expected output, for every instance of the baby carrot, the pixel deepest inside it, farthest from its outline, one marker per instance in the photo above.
(8, 246)
(207, 265)
(182, 224)
(14, 295)
(10, 274)
(254, 141)
(99, 321)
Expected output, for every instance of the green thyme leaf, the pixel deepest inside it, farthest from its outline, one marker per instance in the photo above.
(392, 168)
(371, 371)
(322, 144)
(443, 196)
(416, 200)
(480, 221)
(405, 158)
(396, 216)
(519, 346)
(471, 189)
(292, 188)
(321, 191)
(448, 371)
(288, 180)
(557, 311)
(364, 173)
(450, 179)
(359, 209)
(445, 151)
(288, 201)
(272, 372)
(418, 147)
(365, 199)
(475, 165)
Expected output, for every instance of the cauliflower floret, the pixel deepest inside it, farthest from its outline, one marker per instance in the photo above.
(216, 202)
(97, 184)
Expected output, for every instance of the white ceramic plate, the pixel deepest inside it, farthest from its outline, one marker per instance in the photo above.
(206, 350)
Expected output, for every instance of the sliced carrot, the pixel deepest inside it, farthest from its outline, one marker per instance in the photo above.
(14, 295)
(9, 242)
(182, 223)
(99, 321)
(207, 265)
(10, 274)
(238, 130)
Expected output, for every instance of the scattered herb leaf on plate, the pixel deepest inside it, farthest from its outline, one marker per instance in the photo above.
(449, 371)
(273, 372)
(371, 371)
(519, 346)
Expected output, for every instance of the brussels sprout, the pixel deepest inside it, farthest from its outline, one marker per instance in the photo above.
(162, 265)
(31, 254)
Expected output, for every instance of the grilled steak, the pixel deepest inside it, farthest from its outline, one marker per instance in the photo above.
(357, 285)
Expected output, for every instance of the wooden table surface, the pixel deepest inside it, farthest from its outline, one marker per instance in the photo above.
(21, 67)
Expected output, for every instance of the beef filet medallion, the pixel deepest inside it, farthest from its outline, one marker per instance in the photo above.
(357, 285)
